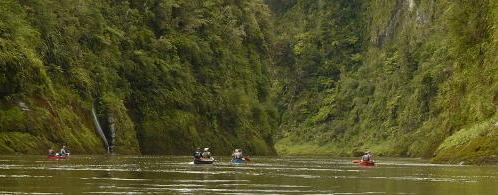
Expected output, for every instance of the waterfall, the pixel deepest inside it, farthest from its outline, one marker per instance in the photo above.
(99, 129)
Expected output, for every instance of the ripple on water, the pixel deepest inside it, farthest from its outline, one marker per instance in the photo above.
(87, 169)
(340, 193)
(410, 178)
(208, 181)
(112, 192)
(245, 191)
(266, 185)
(113, 178)
(7, 192)
(301, 176)
(30, 176)
(63, 168)
(173, 185)
(289, 168)
(394, 164)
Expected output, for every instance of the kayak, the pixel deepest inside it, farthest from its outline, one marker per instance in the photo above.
(238, 161)
(364, 163)
(57, 157)
(204, 161)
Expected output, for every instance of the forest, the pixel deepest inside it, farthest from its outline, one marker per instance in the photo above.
(407, 78)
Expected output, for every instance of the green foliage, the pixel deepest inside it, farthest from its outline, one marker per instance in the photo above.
(167, 75)
(19, 142)
(415, 80)
(20, 69)
(473, 145)
(11, 119)
(321, 76)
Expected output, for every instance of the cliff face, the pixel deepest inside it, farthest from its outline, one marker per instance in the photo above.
(401, 78)
(397, 77)
(163, 76)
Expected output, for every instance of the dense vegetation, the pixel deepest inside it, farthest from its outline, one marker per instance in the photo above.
(401, 78)
(397, 77)
(166, 76)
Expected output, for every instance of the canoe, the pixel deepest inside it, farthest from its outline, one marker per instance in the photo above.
(238, 161)
(204, 161)
(367, 163)
(57, 157)
(364, 163)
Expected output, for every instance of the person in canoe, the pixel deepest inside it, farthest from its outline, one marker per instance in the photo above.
(205, 157)
(198, 153)
(237, 154)
(238, 157)
(51, 152)
(206, 153)
(64, 151)
(367, 157)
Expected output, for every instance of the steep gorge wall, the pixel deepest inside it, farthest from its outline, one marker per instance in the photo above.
(398, 77)
(407, 78)
(167, 76)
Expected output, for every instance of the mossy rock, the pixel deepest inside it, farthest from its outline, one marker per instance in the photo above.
(477, 144)
(481, 150)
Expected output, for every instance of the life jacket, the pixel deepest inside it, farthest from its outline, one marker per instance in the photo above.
(237, 155)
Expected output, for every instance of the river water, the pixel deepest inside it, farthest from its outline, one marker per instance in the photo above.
(264, 175)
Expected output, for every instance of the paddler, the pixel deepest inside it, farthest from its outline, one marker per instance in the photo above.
(206, 153)
(198, 153)
(51, 152)
(237, 154)
(64, 151)
(367, 157)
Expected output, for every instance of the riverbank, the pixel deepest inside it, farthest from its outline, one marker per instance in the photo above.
(479, 151)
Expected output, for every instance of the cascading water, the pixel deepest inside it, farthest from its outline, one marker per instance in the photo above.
(99, 129)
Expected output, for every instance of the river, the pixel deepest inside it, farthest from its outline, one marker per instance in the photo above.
(264, 175)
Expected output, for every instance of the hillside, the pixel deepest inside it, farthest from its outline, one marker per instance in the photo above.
(164, 77)
(411, 78)
(400, 78)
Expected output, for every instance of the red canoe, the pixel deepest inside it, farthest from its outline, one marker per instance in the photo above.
(57, 157)
(364, 163)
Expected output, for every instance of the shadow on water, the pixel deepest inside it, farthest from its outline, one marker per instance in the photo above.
(264, 175)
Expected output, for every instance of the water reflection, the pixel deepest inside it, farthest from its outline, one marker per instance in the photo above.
(269, 175)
